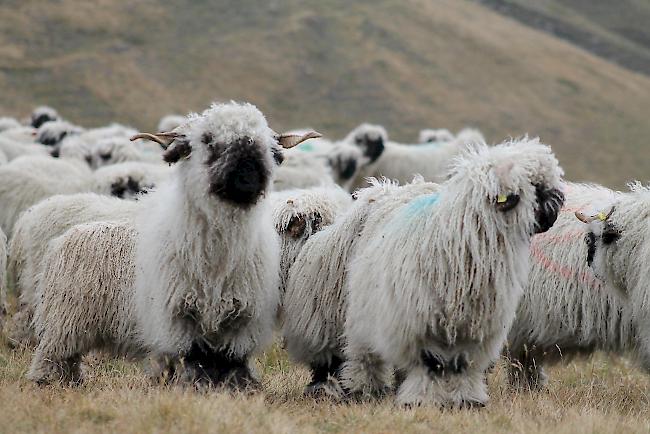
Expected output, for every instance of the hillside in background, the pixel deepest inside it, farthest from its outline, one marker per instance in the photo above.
(330, 65)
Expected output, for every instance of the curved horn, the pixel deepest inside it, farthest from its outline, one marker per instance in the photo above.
(583, 218)
(290, 140)
(611, 211)
(163, 139)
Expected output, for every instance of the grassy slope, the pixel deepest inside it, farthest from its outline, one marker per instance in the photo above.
(330, 65)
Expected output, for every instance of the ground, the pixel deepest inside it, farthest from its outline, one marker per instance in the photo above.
(600, 394)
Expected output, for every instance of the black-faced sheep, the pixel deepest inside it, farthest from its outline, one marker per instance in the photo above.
(195, 275)
(43, 114)
(565, 310)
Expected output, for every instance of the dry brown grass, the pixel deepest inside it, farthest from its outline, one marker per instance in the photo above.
(597, 395)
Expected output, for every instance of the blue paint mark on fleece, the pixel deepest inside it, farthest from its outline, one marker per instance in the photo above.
(421, 204)
(306, 147)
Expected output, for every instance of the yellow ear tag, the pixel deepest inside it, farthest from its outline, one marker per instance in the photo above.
(601, 216)
(502, 198)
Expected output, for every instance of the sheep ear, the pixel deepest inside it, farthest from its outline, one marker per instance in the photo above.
(180, 149)
(290, 140)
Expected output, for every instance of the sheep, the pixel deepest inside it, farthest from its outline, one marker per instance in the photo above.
(169, 122)
(564, 309)
(118, 150)
(460, 272)
(22, 134)
(194, 276)
(300, 213)
(502, 196)
(43, 114)
(129, 180)
(13, 147)
(301, 170)
(53, 132)
(27, 180)
(314, 318)
(470, 136)
(35, 228)
(3, 277)
(441, 135)
(7, 123)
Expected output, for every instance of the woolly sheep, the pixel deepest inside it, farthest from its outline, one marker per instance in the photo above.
(441, 135)
(129, 180)
(7, 123)
(195, 275)
(35, 228)
(314, 318)
(169, 122)
(27, 180)
(13, 149)
(119, 150)
(299, 169)
(53, 132)
(300, 213)
(564, 309)
(460, 271)
(43, 114)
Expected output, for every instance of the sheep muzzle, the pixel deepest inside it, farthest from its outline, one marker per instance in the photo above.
(549, 204)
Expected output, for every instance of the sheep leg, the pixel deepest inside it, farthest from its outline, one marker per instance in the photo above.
(525, 371)
(324, 378)
(449, 389)
(366, 375)
(205, 367)
(45, 369)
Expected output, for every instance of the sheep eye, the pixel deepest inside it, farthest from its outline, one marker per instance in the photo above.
(207, 138)
(508, 204)
(610, 235)
(105, 157)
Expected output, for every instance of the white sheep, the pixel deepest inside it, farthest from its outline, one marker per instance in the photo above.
(300, 169)
(434, 285)
(314, 318)
(43, 114)
(169, 122)
(28, 180)
(52, 133)
(32, 233)
(441, 135)
(13, 148)
(129, 180)
(565, 310)
(298, 214)
(195, 275)
(7, 123)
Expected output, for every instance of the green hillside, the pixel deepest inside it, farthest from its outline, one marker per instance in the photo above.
(404, 64)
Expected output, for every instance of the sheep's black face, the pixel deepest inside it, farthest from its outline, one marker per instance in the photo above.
(129, 188)
(372, 147)
(344, 167)
(549, 203)
(302, 225)
(238, 172)
(51, 139)
(39, 120)
(608, 236)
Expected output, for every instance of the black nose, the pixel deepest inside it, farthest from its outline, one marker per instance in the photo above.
(242, 183)
(40, 120)
(373, 148)
(549, 204)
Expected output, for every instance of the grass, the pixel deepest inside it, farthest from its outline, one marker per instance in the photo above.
(596, 395)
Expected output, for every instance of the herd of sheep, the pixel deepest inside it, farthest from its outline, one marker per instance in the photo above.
(387, 269)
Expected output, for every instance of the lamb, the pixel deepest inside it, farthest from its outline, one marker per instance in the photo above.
(28, 180)
(565, 310)
(441, 135)
(43, 114)
(169, 122)
(194, 276)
